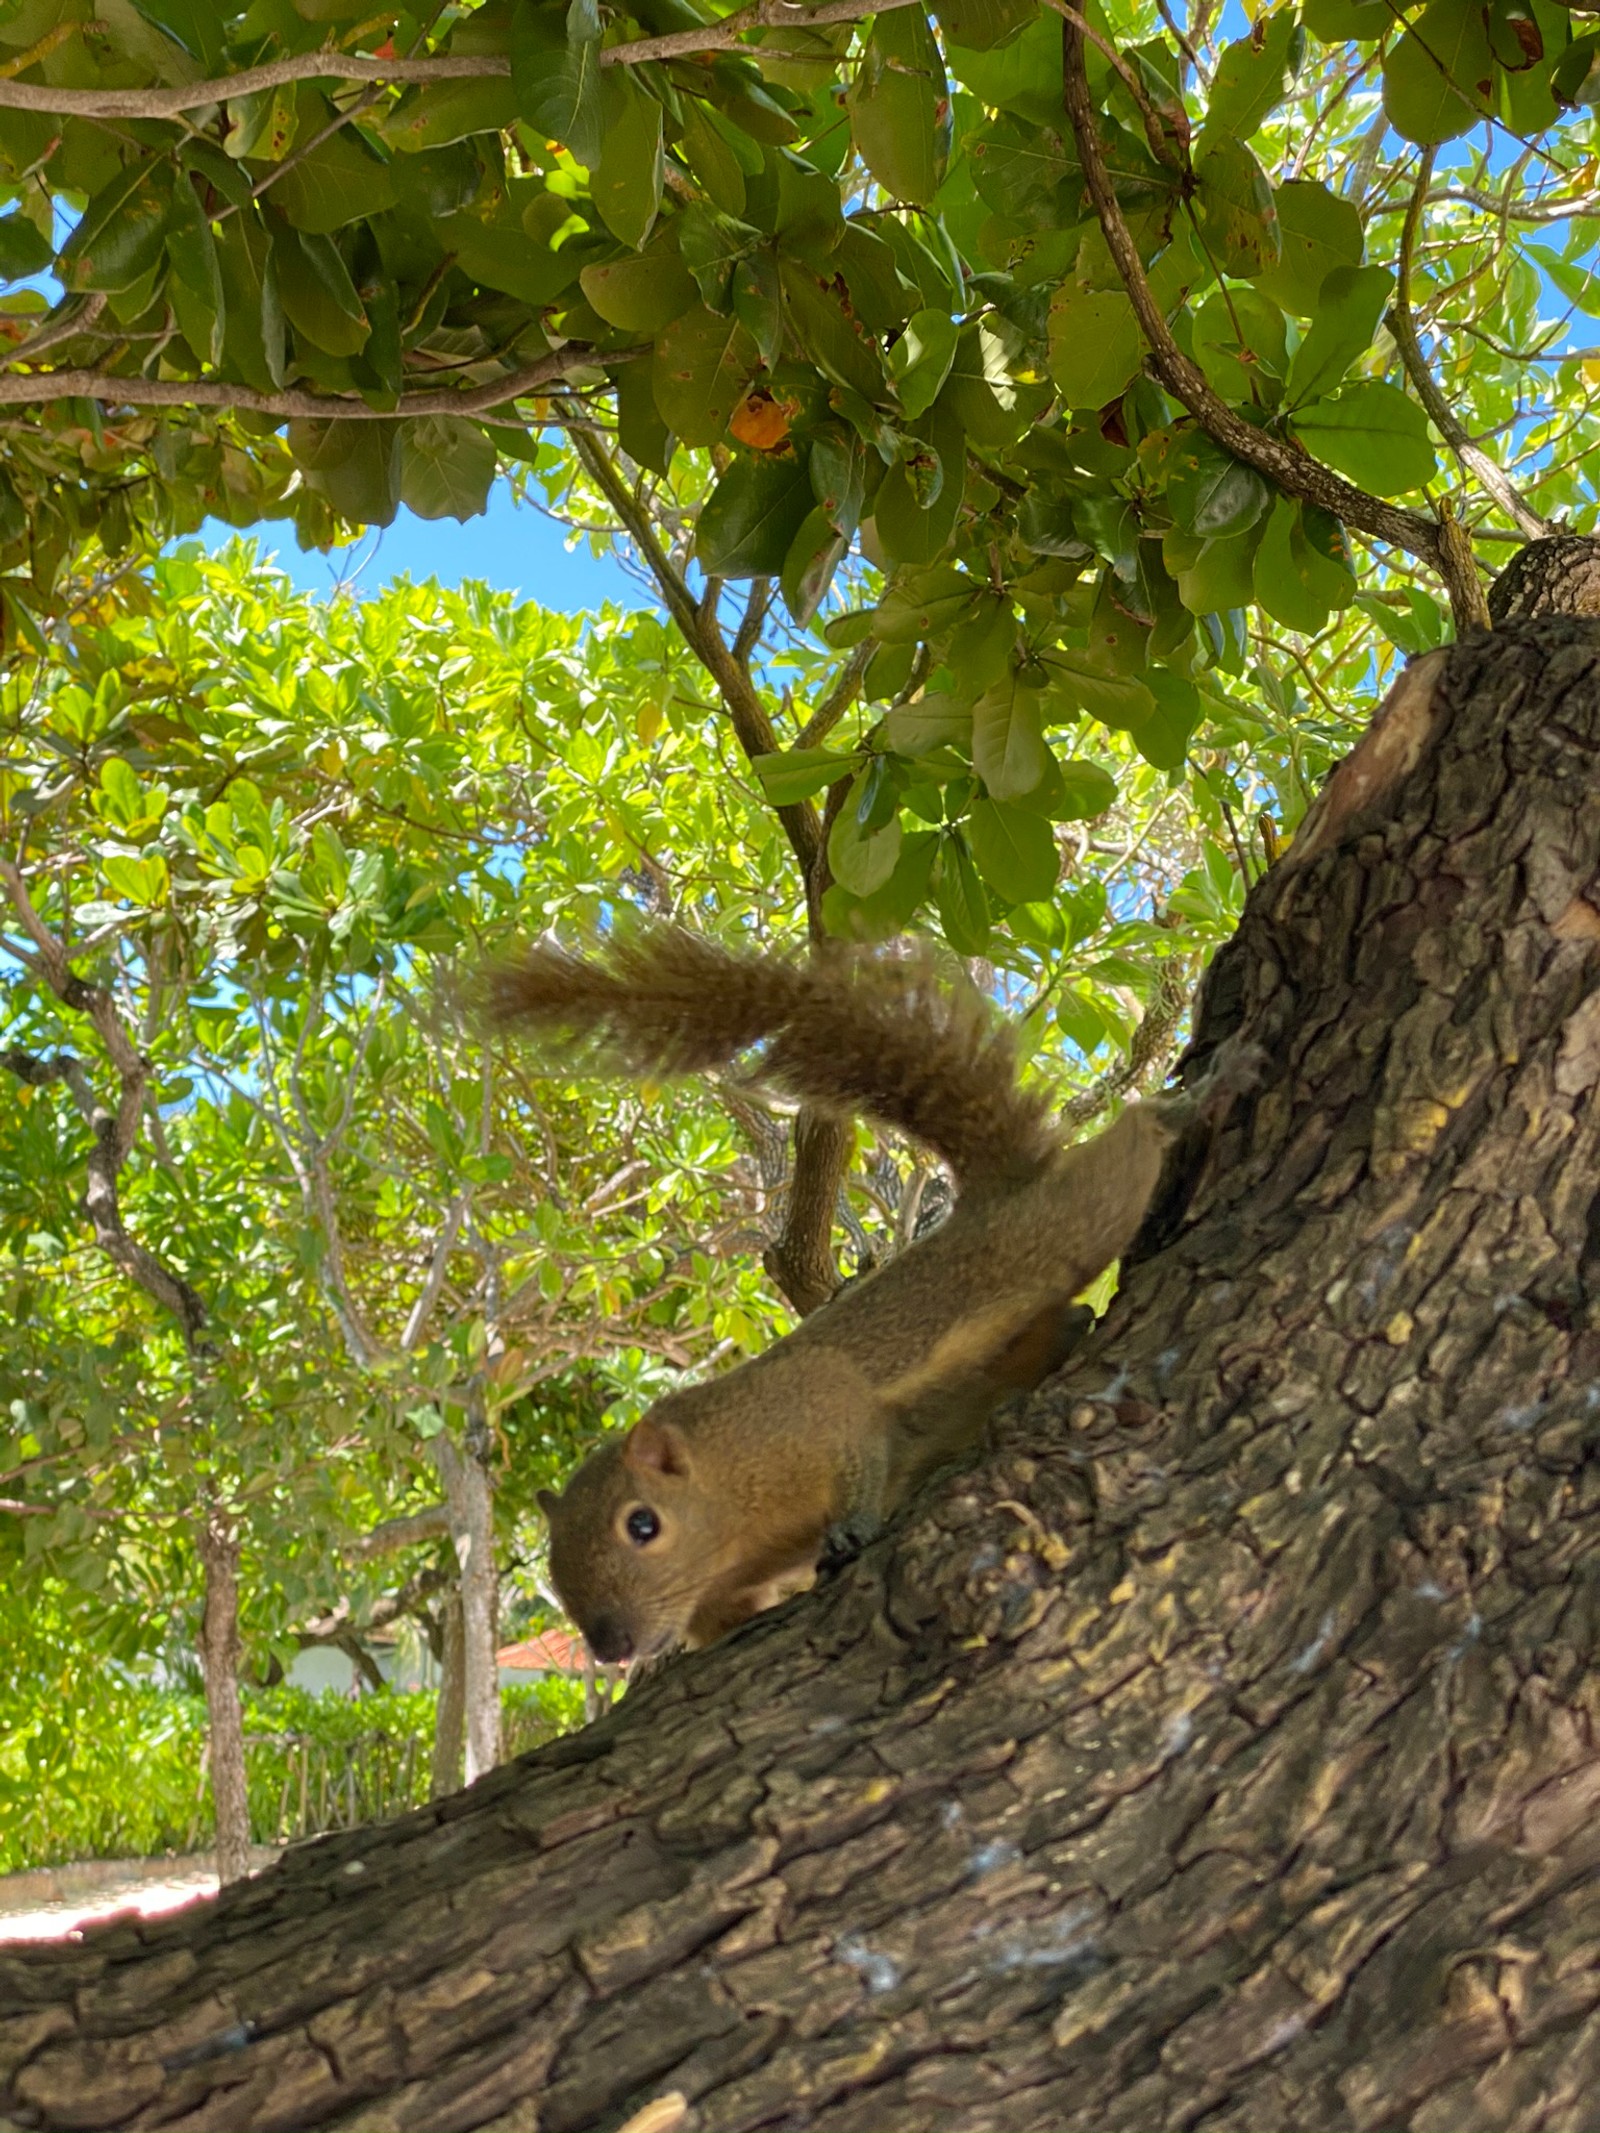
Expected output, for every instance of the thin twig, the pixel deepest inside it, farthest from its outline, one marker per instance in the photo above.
(1402, 324)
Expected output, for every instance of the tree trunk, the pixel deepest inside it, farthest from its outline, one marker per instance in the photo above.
(218, 1546)
(1222, 1752)
(470, 1497)
(448, 1712)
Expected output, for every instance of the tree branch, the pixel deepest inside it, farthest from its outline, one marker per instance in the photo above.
(1291, 470)
(801, 1260)
(337, 1624)
(112, 1133)
(751, 725)
(846, 688)
(1402, 324)
(329, 65)
(432, 1523)
(19, 389)
(101, 1202)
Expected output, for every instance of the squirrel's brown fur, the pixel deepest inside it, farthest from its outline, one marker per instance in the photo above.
(718, 1500)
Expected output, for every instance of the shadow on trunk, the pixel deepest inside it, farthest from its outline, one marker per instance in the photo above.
(1219, 1753)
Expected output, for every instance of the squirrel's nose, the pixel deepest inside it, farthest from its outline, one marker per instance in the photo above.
(609, 1640)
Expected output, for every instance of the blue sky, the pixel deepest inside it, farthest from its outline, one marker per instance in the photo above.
(513, 547)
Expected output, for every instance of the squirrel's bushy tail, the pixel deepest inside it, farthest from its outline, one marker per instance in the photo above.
(873, 1036)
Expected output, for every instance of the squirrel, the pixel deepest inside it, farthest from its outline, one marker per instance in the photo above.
(718, 1501)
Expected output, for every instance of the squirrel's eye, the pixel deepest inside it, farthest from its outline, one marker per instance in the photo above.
(643, 1525)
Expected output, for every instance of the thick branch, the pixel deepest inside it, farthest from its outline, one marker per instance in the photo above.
(18, 389)
(1402, 324)
(1292, 471)
(328, 65)
(338, 1623)
(431, 1523)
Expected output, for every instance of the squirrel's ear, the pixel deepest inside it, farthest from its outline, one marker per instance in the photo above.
(549, 1502)
(656, 1447)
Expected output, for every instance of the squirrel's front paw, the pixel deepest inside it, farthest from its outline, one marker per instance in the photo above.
(847, 1537)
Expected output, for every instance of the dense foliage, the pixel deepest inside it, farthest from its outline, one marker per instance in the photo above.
(117, 1769)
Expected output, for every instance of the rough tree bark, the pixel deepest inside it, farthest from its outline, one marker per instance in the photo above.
(218, 1546)
(1221, 1752)
(450, 1708)
(469, 1495)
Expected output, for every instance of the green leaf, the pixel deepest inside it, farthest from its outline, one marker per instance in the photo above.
(832, 338)
(888, 910)
(1438, 81)
(448, 467)
(355, 465)
(994, 389)
(640, 430)
(644, 294)
(712, 244)
(1317, 231)
(919, 361)
(815, 553)
(501, 255)
(1163, 737)
(1334, 20)
(1086, 790)
(1237, 217)
(319, 298)
(1077, 683)
(713, 159)
(900, 107)
(1096, 347)
(838, 477)
(1008, 749)
(1303, 570)
(141, 881)
(441, 112)
(1578, 285)
(1254, 75)
(626, 184)
(1349, 306)
(702, 366)
(193, 252)
(1416, 624)
(253, 336)
(751, 517)
(23, 249)
(1210, 493)
(338, 181)
(1215, 575)
(1373, 435)
(981, 651)
(120, 234)
(923, 604)
(928, 722)
(1014, 849)
(862, 860)
(1023, 75)
(793, 774)
(757, 298)
(555, 73)
(910, 530)
(959, 892)
(984, 24)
